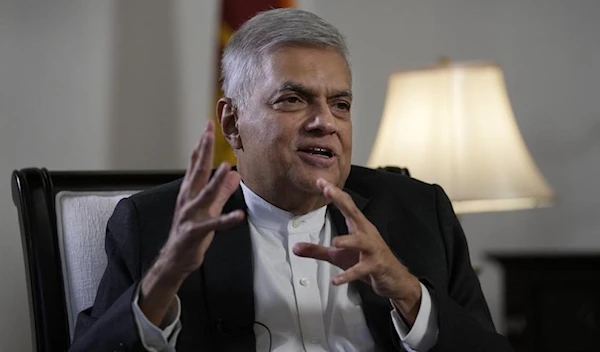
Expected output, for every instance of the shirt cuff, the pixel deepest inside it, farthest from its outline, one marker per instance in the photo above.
(423, 334)
(153, 338)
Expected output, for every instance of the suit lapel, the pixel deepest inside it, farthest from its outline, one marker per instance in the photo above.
(376, 308)
(229, 284)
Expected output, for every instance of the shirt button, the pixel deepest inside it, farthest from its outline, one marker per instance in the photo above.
(304, 281)
(295, 223)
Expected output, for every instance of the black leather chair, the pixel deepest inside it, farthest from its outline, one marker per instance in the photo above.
(34, 193)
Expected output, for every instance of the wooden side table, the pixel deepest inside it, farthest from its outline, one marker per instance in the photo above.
(552, 301)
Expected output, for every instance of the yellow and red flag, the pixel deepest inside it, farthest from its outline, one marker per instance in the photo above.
(233, 14)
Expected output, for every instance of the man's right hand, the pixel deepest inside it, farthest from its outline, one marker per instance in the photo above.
(197, 217)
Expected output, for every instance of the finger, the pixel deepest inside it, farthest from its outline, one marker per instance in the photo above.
(219, 189)
(343, 202)
(194, 157)
(185, 184)
(227, 188)
(223, 222)
(357, 272)
(195, 154)
(357, 243)
(310, 250)
(208, 191)
(202, 169)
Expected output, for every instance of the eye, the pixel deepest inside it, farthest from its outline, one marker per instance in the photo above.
(291, 100)
(289, 103)
(341, 105)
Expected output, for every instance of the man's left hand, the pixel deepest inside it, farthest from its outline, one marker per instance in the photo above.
(364, 255)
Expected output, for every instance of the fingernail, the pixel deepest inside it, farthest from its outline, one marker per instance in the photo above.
(209, 126)
(236, 214)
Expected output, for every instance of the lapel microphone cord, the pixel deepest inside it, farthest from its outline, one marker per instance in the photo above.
(269, 331)
(226, 329)
(220, 323)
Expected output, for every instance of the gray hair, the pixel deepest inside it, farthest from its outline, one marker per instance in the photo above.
(241, 64)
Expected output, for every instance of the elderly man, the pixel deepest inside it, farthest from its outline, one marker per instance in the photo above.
(296, 249)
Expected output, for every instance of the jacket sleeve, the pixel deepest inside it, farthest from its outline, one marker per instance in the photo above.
(464, 319)
(109, 325)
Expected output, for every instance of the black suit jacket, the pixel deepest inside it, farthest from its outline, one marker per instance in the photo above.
(414, 218)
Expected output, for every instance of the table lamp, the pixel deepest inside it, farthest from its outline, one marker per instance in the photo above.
(453, 125)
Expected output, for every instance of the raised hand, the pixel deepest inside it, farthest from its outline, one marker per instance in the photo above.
(197, 216)
(364, 255)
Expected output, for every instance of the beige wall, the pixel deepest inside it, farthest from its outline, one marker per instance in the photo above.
(125, 84)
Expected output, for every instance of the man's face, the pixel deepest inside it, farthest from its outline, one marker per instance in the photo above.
(296, 127)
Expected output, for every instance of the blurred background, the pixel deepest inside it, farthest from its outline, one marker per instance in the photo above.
(109, 84)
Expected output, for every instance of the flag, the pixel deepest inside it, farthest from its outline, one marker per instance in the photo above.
(233, 14)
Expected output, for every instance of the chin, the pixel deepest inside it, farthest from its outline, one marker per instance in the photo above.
(308, 179)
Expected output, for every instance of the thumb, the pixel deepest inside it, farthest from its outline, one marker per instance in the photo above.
(310, 250)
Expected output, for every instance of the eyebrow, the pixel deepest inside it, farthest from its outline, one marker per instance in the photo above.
(307, 92)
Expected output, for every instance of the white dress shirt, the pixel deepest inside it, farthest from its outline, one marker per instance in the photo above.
(294, 297)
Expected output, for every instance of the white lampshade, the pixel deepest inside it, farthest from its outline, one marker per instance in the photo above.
(453, 125)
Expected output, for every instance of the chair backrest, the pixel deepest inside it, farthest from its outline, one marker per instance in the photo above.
(81, 219)
(63, 216)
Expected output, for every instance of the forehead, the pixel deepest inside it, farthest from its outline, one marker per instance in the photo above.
(321, 69)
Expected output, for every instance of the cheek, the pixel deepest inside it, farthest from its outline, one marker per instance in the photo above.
(253, 133)
(267, 139)
(268, 134)
(346, 137)
(276, 132)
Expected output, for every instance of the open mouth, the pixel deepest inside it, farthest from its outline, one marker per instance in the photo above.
(321, 152)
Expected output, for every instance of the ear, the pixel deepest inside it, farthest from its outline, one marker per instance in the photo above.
(228, 119)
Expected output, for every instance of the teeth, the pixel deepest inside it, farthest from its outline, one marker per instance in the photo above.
(326, 153)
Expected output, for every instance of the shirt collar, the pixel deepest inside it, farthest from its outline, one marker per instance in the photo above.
(264, 214)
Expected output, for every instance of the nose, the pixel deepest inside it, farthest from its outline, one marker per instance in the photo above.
(322, 120)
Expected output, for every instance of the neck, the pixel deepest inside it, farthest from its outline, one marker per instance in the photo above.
(288, 198)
